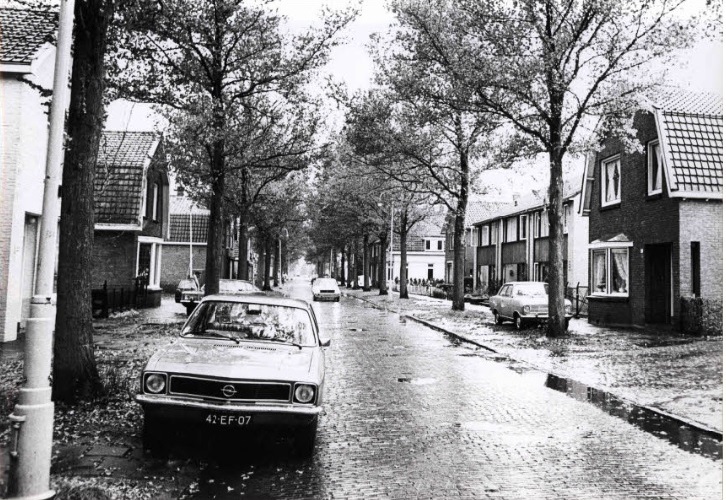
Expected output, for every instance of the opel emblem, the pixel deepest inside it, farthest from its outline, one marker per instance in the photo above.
(229, 390)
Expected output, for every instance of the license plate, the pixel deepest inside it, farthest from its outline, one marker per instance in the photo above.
(228, 420)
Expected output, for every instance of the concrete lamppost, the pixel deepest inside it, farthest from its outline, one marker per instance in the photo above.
(32, 417)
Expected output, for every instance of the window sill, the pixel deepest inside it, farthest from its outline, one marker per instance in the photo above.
(608, 298)
(612, 206)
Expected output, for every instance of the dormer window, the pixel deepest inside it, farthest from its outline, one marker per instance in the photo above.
(610, 185)
(655, 170)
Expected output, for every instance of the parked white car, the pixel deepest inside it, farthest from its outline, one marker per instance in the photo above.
(326, 289)
(523, 302)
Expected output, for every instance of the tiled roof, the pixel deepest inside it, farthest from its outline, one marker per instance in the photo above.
(692, 137)
(179, 227)
(479, 209)
(23, 32)
(535, 199)
(676, 100)
(180, 208)
(119, 175)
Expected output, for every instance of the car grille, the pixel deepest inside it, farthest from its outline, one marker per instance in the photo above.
(327, 291)
(243, 391)
(539, 309)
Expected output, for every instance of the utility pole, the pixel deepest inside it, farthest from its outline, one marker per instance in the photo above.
(32, 418)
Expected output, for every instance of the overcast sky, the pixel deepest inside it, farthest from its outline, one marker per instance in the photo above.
(699, 69)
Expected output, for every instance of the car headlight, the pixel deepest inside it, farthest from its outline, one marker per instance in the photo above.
(155, 383)
(304, 393)
(526, 309)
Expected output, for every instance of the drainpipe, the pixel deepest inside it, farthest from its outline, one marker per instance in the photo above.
(32, 417)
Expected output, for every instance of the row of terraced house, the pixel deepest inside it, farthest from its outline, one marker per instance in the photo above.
(643, 240)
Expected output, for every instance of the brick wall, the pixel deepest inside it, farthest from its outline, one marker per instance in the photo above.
(642, 219)
(114, 259)
(175, 264)
(702, 221)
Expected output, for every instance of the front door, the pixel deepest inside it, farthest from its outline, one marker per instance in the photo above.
(658, 283)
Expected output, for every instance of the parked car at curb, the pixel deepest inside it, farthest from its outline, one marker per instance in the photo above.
(243, 362)
(523, 302)
(326, 289)
(188, 293)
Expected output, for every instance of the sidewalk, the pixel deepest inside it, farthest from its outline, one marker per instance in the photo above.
(672, 374)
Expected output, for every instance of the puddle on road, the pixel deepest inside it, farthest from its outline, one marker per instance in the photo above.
(687, 437)
(418, 381)
(663, 342)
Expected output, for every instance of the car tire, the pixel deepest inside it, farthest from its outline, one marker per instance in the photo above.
(154, 437)
(518, 322)
(337, 299)
(498, 318)
(305, 440)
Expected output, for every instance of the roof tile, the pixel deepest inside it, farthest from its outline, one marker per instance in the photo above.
(23, 32)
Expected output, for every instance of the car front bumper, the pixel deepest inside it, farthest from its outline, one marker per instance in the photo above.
(197, 412)
(326, 296)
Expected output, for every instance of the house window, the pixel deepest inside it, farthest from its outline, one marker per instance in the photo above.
(610, 271)
(155, 200)
(655, 180)
(536, 221)
(484, 236)
(566, 213)
(494, 233)
(428, 244)
(545, 224)
(522, 227)
(610, 185)
(696, 268)
(439, 245)
(541, 271)
(510, 230)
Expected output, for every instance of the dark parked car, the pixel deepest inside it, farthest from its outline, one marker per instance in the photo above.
(242, 362)
(523, 302)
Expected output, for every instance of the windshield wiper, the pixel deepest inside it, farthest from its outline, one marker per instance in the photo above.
(282, 341)
(223, 334)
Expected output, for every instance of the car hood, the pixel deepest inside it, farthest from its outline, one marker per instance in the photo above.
(247, 360)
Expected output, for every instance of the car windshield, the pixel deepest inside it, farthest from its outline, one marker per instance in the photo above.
(240, 321)
(234, 286)
(326, 282)
(531, 289)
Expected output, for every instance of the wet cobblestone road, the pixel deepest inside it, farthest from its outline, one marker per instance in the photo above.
(409, 414)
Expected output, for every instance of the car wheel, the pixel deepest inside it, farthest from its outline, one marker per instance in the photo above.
(498, 318)
(337, 299)
(518, 322)
(154, 436)
(305, 440)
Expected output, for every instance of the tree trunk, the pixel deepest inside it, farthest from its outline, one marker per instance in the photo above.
(242, 267)
(351, 273)
(260, 280)
(366, 265)
(457, 303)
(403, 283)
(268, 261)
(556, 326)
(75, 375)
(215, 239)
(342, 265)
(276, 268)
(382, 284)
(357, 267)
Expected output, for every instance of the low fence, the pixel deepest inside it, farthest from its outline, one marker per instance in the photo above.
(578, 296)
(105, 301)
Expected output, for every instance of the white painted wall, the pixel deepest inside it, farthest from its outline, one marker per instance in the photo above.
(24, 137)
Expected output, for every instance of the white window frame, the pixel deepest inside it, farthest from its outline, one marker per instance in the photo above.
(654, 150)
(155, 198)
(484, 236)
(607, 252)
(545, 226)
(510, 236)
(613, 160)
(536, 224)
(522, 227)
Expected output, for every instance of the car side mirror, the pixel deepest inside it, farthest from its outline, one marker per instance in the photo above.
(324, 342)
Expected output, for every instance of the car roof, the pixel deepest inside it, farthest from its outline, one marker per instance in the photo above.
(259, 298)
(523, 282)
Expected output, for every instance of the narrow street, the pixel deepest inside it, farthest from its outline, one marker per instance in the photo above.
(410, 414)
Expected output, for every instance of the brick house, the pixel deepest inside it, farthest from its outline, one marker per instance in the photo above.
(27, 54)
(656, 217)
(185, 243)
(131, 191)
(425, 251)
(478, 209)
(513, 242)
